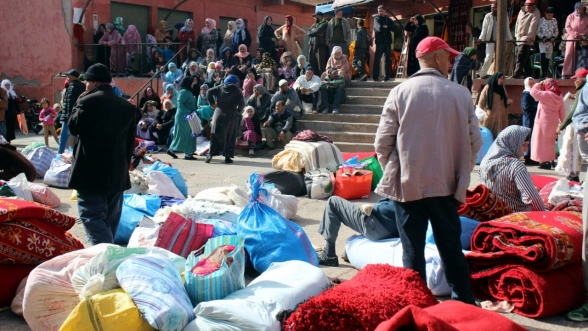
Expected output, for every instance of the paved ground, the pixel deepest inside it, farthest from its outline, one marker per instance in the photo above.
(199, 176)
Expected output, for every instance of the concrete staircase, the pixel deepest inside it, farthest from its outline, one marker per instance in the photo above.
(354, 128)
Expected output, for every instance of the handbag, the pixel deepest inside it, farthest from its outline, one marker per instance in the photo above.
(22, 123)
(351, 184)
(320, 183)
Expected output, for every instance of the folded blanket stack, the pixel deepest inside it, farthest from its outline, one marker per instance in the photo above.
(317, 155)
(483, 205)
(532, 260)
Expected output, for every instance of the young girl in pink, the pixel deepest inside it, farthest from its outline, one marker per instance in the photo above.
(47, 118)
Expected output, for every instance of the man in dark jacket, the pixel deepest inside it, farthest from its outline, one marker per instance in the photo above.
(318, 55)
(74, 89)
(418, 31)
(333, 88)
(3, 105)
(362, 43)
(383, 27)
(104, 125)
(280, 126)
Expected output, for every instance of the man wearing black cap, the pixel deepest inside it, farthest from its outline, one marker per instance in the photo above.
(104, 125)
(383, 28)
(74, 89)
(318, 44)
(333, 87)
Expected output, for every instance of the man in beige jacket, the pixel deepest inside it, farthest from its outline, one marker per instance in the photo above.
(525, 33)
(427, 143)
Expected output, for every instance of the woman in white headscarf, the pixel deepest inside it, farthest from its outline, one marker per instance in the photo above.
(11, 111)
(209, 37)
(529, 107)
(241, 36)
(187, 35)
(341, 62)
(228, 38)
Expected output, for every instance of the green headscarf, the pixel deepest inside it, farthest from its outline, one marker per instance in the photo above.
(118, 25)
(470, 51)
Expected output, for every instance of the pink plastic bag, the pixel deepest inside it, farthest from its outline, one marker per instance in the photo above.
(44, 195)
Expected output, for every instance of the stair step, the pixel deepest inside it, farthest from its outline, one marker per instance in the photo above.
(353, 118)
(350, 137)
(371, 84)
(354, 147)
(322, 126)
(360, 109)
(365, 100)
(363, 91)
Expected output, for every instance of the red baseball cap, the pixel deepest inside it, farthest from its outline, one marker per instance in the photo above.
(530, 3)
(581, 73)
(432, 44)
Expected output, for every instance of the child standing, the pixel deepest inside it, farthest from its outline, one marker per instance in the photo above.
(547, 33)
(47, 117)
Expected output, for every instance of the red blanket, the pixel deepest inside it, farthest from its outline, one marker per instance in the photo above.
(15, 209)
(533, 294)
(449, 316)
(11, 276)
(374, 295)
(540, 241)
(540, 181)
(483, 205)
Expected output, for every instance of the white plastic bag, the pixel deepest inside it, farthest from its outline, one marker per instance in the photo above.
(320, 183)
(562, 192)
(281, 287)
(145, 235)
(285, 205)
(160, 184)
(16, 305)
(20, 186)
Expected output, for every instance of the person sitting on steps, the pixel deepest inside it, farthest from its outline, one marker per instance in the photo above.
(333, 87)
(280, 126)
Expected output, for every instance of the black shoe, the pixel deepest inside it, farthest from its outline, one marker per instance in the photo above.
(363, 78)
(267, 147)
(573, 178)
(545, 166)
(228, 160)
(328, 261)
(386, 79)
(171, 153)
(189, 157)
(530, 162)
(208, 158)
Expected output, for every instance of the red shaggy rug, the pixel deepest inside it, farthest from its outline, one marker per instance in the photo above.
(540, 241)
(533, 294)
(449, 315)
(374, 295)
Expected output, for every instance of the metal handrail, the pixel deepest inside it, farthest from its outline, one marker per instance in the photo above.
(156, 75)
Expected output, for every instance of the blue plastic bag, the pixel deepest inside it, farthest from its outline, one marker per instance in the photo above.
(172, 173)
(268, 236)
(134, 208)
(467, 230)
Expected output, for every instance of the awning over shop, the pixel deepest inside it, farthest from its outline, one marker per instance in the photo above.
(329, 9)
(348, 3)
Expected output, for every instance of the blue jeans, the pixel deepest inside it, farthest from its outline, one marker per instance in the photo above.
(412, 219)
(100, 214)
(63, 137)
(2, 128)
(338, 92)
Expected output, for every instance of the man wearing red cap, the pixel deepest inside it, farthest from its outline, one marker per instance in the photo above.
(427, 175)
(525, 33)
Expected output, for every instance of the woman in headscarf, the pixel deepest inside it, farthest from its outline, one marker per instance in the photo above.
(302, 65)
(210, 58)
(150, 95)
(529, 107)
(419, 31)
(268, 69)
(248, 137)
(169, 94)
(193, 56)
(152, 43)
(164, 122)
(187, 35)
(118, 25)
(198, 82)
(183, 140)
(241, 36)
(494, 100)
(11, 111)
(208, 36)
(576, 25)
(266, 38)
(258, 57)
(506, 176)
(173, 76)
(242, 58)
(193, 69)
(102, 52)
(226, 58)
(462, 67)
(228, 103)
(112, 38)
(161, 32)
(228, 38)
(261, 101)
(287, 68)
(290, 34)
(148, 114)
(550, 113)
(251, 79)
(341, 62)
(131, 38)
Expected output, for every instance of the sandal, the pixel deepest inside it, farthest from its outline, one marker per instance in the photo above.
(580, 314)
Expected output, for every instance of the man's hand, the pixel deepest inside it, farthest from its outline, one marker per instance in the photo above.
(557, 131)
(281, 137)
(266, 124)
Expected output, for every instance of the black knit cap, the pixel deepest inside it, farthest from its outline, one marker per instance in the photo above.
(98, 73)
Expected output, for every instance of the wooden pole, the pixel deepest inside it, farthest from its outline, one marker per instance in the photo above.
(502, 25)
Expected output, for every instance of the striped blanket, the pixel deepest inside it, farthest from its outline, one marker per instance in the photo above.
(317, 155)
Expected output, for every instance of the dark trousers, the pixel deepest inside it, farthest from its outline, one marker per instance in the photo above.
(337, 94)
(309, 98)
(100, 214)
(382, 49)
(359, 59)
(529, 122)
(412, 219)
(522, 64)
(318, 58)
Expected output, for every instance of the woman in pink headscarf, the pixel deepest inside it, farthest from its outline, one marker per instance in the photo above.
(113, 39)
(550, 113)
(290, 34)
(130, 38)
(209, 37)
(576, 25)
